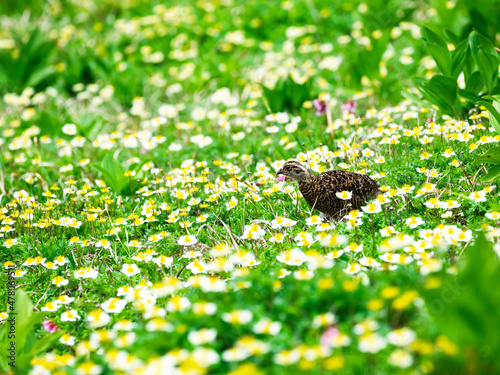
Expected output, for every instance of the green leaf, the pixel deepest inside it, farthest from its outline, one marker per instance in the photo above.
(438, 49)
(468, 95)
(492, 175)
(25, 328)
(474, 82)
(23, 306)
(463, 307)
(492, 156)
(441, 91)
(459, 58)
(493, 98)
(114, 173)
(493, 109)
(486, 58)
(40, 75)
(451, 36)
(44, 343)
(297, 93)
(275, 97)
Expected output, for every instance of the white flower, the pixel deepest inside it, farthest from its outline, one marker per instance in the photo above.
(462, 236)
(283, 272)
(352, 268)
(232, 203)
(114, 305)
(197, 266)
(401, 337)
(238, 316)
(70, 316)
(478, 196)
(266, 326)
(323, 320)
(371, 343)
(98, 318)
(67, 339)
(253, 231)
(281, 221)
(388, 231)
(314, 220)
(202, 336)
(163, 260)
(205, 357)
(333, 240)
(287, 357)
(130, 269)
(178, 303)
(69, 129)
(414, 221)
(304, 239)
(235, 354)
(344, 195)
(495, 215)
(293, 257)
(187, 240)
(400, 358)
(303, 274)
(372, 208)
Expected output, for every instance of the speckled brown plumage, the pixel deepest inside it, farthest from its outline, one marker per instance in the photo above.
(319, 190)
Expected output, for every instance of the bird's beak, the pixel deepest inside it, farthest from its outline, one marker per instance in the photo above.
(279, 172)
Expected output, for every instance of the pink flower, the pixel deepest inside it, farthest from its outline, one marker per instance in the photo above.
(329, 335)
(320, 105)
(349, 106)
(282, 177)
(50, 326)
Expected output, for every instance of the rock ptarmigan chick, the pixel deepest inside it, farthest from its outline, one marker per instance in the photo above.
(320, 190)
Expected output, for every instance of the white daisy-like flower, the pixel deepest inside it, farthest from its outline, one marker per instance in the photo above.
(187, 240)
(478, 196)
(114, 305)
(70, 316)
(372, 208)
(293, 257)
(130, 269)
(400, 358)
(494, 215)
(414, 221)
(344, 195)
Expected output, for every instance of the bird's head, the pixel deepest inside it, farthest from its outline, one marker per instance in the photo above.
(295, 170)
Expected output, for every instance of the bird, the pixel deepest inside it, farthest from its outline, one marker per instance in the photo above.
(320, 190)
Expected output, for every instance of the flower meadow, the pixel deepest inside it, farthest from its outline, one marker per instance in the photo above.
(143, 228)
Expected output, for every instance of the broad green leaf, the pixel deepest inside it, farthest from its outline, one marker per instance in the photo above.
(298, 93)
(441, 91)
(451, 36)
(463, 307)
(45, 342)
(493, 109)
(275, 97)
(492, 175)
(474, 82)
(492, 156)
(468, 95)
(438, 49)
(430, 36)
(39, 75)
(26, 327)
(23, 307)
(493, 98)
(459, 58)
(486, 58)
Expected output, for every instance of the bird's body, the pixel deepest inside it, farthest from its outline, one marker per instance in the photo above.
(320, 191)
